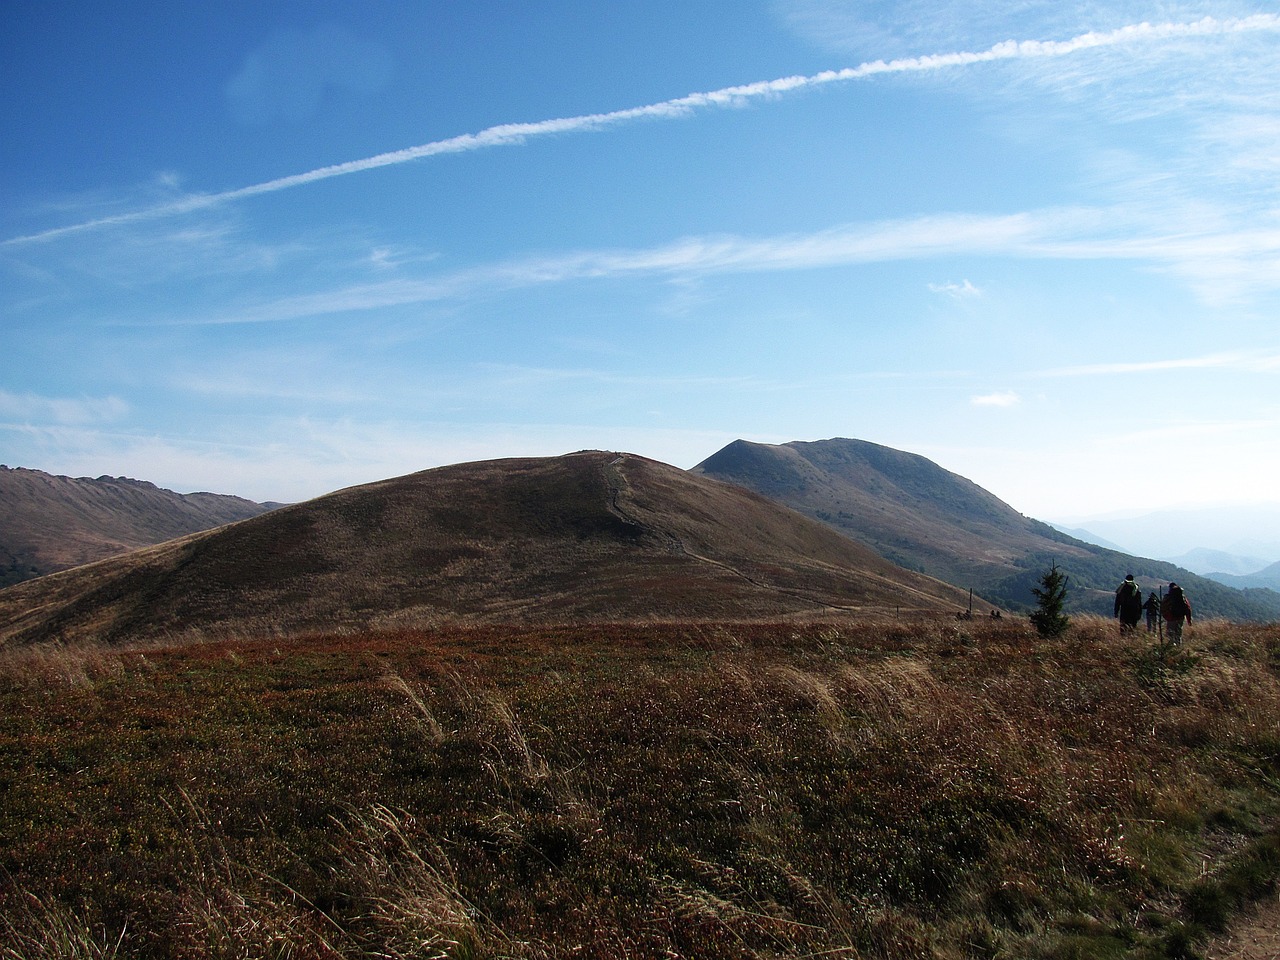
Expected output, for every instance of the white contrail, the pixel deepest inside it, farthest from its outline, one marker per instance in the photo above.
(515, 133)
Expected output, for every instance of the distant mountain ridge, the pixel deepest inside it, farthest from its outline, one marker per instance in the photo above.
(916, 513)
(1171, 534)
(1210, 563)
(50, 523)
(1266, 578)
(587, 537)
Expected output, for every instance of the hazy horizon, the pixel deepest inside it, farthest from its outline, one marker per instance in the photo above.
(1244, 531)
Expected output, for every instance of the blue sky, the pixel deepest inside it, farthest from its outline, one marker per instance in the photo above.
(275, 249)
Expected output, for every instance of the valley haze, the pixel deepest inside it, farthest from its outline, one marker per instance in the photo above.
(1249, 531)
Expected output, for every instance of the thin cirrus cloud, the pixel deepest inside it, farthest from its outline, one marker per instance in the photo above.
(1238, 361)
(289, 76)
(29, 407)
(1073, 233)
(692, 256)
(1004, 399)
(957, 291)
(518, 133)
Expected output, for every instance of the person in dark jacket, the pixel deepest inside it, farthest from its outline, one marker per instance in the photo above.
(1176, 610)
(1128, 604)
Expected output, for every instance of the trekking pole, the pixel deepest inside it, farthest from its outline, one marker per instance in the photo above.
(1160, 617)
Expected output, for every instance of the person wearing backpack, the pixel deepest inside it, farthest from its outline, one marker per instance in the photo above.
(1176, 610)
(1128, 604)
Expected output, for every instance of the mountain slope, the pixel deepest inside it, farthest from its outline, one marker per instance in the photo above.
(900, 504)
(585, 537)
(50, 523)
(917, 514)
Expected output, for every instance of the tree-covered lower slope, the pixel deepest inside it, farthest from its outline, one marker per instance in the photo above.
(917, 514)
(875, 790)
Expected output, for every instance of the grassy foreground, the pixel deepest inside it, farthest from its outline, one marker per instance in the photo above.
(879, 790)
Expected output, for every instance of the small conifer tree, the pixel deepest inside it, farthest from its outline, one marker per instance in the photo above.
(1049, 619)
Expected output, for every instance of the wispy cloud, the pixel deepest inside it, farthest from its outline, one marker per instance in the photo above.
(684, 258)
(1007, 398)
(1218, 263)
(518, 133)
(513, 377)
(29, 407)
(957, 291)
(1241, 361)
(289, 76)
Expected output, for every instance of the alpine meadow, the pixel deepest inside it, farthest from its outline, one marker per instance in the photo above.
(878, 789)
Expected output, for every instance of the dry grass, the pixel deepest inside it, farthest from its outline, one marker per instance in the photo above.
(885, 789)
(33, 928)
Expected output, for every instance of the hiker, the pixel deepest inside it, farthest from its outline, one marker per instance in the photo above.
(1128, 604)
(1176, 610)
(1152, 607)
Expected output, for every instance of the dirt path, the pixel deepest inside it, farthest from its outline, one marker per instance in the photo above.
(1256, 937)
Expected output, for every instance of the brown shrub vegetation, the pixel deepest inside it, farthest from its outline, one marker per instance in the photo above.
(884, 789)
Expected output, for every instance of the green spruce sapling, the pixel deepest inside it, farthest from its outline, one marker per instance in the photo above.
(1049, 619)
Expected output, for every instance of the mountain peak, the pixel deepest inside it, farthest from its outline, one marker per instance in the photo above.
(923, 517)
(585, 537)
